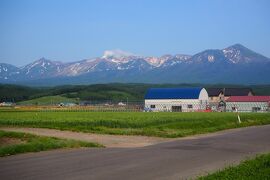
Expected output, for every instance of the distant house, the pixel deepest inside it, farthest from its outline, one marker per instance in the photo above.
(67, 104)
(121, 104)
(176, 99)
(85, 103)
(248, 103)
(7, 104)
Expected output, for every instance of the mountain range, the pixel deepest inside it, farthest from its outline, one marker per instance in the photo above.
(235, 64)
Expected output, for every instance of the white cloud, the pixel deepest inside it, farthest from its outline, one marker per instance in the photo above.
(116, 53)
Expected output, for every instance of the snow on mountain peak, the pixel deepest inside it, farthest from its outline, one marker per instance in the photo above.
(126, 62)
(116, 53)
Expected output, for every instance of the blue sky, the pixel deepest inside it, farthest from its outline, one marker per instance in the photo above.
(71, 30)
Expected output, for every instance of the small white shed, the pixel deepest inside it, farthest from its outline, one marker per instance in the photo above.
(176, 99)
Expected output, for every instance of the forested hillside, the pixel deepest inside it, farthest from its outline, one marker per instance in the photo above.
(114, 91)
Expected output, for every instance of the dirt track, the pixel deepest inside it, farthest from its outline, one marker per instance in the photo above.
(106, 140)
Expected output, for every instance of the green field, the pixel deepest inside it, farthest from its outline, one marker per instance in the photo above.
(258, 168)
(133, 123)
(48, 100)
(33, 143)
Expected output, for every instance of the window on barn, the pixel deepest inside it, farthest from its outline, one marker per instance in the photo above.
(255, 109)
(190, 106)
(152, 106)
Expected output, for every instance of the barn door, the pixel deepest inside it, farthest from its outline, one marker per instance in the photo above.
(176, 108)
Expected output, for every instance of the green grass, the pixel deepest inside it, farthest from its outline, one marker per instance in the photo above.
(33, 143)
(258, 168)
(48, 100)
(133, 123)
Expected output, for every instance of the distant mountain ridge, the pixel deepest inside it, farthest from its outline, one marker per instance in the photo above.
(234, 64)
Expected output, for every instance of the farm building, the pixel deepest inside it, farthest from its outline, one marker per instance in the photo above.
(222, 94)
(248, 103)
(219, 96)
(176, 99)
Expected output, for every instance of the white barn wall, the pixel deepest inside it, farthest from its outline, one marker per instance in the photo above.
(203, 95)
(247, 106)
(166, 104)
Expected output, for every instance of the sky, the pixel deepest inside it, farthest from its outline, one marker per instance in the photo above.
(72, 30)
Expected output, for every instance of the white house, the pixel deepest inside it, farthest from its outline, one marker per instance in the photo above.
(248, 103)
(176, 99)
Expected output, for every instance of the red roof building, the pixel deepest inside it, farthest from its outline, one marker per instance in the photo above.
(249, 99)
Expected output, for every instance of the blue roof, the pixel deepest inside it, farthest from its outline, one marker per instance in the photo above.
(173, 93)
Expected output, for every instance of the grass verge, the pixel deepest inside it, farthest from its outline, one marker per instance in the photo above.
(163, 124)
(33, 143)
(258, 168)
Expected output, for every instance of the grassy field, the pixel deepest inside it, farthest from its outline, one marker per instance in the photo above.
(258, 168)
(133, 123)
(14, 143)
(48, 100)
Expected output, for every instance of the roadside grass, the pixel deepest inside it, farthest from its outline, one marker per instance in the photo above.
(258, 168)
(33, 143)
(163, 124)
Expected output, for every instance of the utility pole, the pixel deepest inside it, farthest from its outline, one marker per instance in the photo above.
(127, 102)
(224, 94)
(224, 89)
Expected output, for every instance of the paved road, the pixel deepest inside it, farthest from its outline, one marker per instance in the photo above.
(179, 159)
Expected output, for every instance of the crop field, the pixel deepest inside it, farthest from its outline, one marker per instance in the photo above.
(163, 124)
